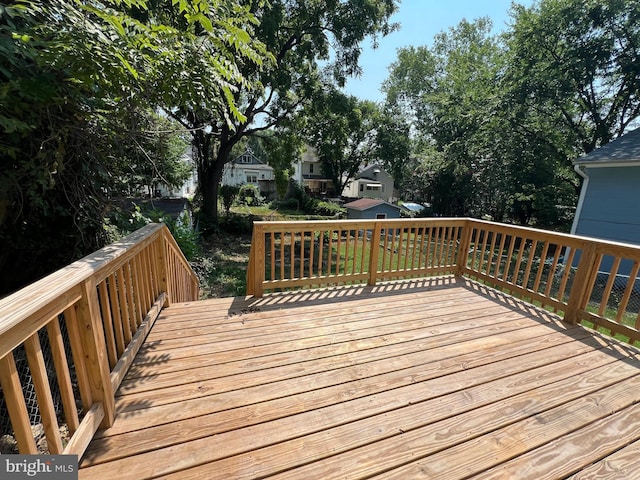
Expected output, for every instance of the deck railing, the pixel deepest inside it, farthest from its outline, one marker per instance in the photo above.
(585, 280)
(107, 302)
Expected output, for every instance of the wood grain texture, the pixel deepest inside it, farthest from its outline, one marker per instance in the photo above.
(394, 382)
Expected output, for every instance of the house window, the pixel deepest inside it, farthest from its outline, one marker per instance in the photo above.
(361, 187)
(381, 215)
(311, 168)
(252, 177)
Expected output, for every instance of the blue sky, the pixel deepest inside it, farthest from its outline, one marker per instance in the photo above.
(419, 21)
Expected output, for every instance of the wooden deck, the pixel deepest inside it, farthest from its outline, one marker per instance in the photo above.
(431, 379)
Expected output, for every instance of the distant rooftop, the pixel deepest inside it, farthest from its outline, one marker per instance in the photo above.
(621, 150)
(366, 203)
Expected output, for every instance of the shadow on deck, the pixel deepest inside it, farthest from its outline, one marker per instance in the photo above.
(431, 378)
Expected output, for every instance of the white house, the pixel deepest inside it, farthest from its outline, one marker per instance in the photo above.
(372, 182)
(246, 168)
(188, 188)
(308, 173)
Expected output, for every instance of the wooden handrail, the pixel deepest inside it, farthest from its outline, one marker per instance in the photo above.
(107, 301)
(319, 253)
(578, 277)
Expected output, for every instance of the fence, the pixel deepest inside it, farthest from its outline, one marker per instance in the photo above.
(107, 302)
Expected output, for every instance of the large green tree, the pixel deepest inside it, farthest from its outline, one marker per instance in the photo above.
(342, 129)
(71, 75)
(299, 35)
(576, 61)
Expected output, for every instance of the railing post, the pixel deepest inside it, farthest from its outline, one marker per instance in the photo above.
(89, 326)
(578, 296)
(463, 251)
(257, 260)
(373, 253)
(162, 264)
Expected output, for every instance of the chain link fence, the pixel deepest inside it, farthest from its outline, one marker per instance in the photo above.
(7, 440)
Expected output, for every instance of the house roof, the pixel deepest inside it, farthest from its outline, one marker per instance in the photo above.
(367, 203)
(623, 151)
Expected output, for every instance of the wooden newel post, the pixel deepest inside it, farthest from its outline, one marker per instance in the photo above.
(162, 263)
(463, 250)
(581, 288)
(258, 260)
(89, 328)
(373, 255)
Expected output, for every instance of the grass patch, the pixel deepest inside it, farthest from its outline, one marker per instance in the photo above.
(222, 265)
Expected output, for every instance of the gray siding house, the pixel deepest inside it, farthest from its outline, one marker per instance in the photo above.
(609, 203)
(371, 209)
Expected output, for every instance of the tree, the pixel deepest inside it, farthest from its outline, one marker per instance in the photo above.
(449, 109)
(343, 131)
(298, 34)
(71, 74)
(577, 62)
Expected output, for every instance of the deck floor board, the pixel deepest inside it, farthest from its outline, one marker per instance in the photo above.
(439, 378)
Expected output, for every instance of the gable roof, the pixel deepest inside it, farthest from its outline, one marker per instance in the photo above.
(367, 203)
(622, 151)
(248, 154)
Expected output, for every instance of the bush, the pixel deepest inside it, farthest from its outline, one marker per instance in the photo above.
(328, 209)
(297, 199)
(228, 194)
(249, 195)
(239, 224)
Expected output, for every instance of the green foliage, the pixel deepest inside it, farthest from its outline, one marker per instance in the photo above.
(77, 83)
(298, 36)
(342, 129)
(249, 194)
(229, 194)
(121, 222)
(298, 200)
(498, 119)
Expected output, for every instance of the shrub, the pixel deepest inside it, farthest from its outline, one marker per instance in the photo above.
(249, 194)
(228, 194)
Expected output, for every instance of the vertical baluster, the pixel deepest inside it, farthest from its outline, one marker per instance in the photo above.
(491, 252)
(607, 290)
(516, 270)
(527, 271)
(16, 405)
(124, 310)
(107, 320)
(552, 271)
(543, 258)
(43, 393)
(312, 242)
(565, 275)
(61, 366)
(622, 307)
(320, 252)
(116, 315)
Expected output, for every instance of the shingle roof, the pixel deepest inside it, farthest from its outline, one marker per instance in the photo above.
(366, 203)
(622, 150)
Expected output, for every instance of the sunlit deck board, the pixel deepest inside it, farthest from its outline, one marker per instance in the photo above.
(436, 378)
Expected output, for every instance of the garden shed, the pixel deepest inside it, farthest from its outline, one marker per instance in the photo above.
(371, 208)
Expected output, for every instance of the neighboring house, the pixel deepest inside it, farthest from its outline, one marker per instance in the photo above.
(608, 207)
(308, 173)
(246, 168)
(371, 208)
(372, 182)
(188, 189)
(610, 195)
